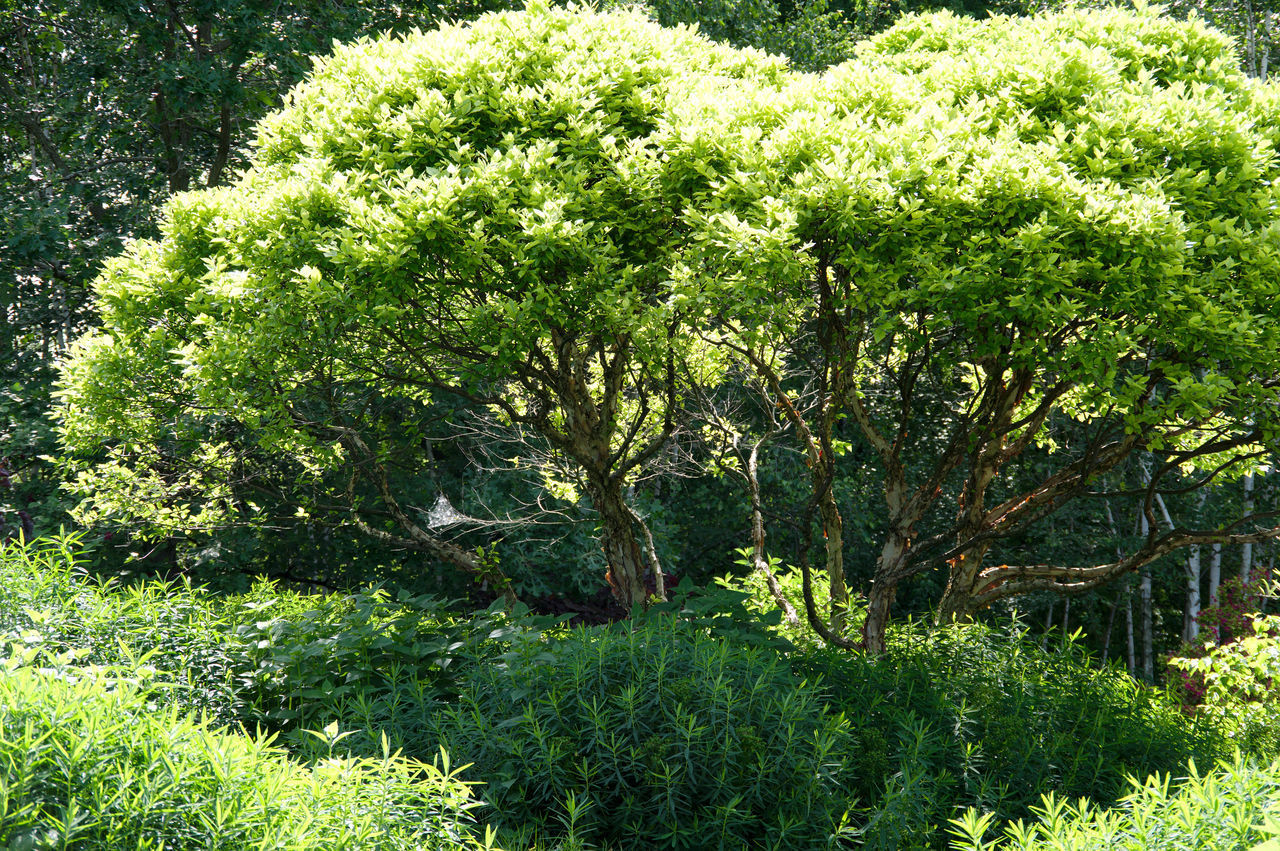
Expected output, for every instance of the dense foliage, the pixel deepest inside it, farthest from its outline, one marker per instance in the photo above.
(1005, 256)
(1231, 808)
(1053, 231)
(979, 317)
(656, 734)
(973, 716)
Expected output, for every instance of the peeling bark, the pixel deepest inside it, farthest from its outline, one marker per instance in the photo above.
(618, 539)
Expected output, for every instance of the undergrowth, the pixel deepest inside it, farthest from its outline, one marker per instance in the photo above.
(702, 724)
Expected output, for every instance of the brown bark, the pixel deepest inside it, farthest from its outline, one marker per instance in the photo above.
(171, 133)
(222, 149)
(818, 457)
(759, 562)
(618, 540)
(879, 598)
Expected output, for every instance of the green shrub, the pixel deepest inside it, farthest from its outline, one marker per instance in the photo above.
(374, 664)
(978, 716)
(1239, 681)
(1229, 809)
(655, 735)
(272, 659)
(88, 762)
(760, 602)
(362, 659)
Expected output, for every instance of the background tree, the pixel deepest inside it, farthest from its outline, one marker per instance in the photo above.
(106, 108)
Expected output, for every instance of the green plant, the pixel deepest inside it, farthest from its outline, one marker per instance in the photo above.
(761, 603)
(656, 735)
(496, 211)
(1013, 233)
(49, 606)
(89, 762)
(374, 664)
(1239, 683)
(1232, 808)
(981, 716)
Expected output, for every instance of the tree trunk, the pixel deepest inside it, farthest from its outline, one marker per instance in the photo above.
(1106, 634)
(1246, 550)
(759, 561)
(1144, 598)
(1144, 595)
(1191, 612)
(1048, 625)
(618, 540)
(1128, 623)
(1215, 573)
(883, 588)
(957, 603)
(879, 597)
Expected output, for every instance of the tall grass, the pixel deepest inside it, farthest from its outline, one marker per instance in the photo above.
(49, 605)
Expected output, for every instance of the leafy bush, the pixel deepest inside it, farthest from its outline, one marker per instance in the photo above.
(374, 664)
(1229, 809)
(272, 659)
(653, 734)
(1238, 679)
(978, 716)
(88, 762)
(791, 582)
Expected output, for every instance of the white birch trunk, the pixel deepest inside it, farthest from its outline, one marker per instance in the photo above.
(1191, 612)
(1246, 550)
(1215, 573)
(1144, 597)
(1048, 625)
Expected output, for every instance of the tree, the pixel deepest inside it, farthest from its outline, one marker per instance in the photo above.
(496, 212)
(1056, 232)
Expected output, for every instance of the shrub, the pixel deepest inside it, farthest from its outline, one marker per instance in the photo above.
(760, 602)
(653, 734)
(1228, 809)
(272, 659)
(88, 762)
(374, 664)
(978, 716)
(1238, 679)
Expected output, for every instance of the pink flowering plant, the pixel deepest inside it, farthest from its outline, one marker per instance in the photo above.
(1232, 678)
